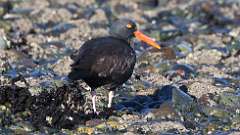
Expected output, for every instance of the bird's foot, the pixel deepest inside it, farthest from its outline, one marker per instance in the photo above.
(93, 93)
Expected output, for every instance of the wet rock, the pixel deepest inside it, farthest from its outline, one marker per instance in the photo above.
(183, 49)
(189, 124)
(234, 47)
(4, 43)
(99, 33)
(61, 108)
(53, 15)
(199, 88)
(183, 71)
(207, 100)
(167, 125)
(230, 100)
(221, 82)
(211, 128)
(20, 98)
(171, 93)
(150, 4)
(126, 9)
(131, 118)
(237, 53)
(93, 122)
(129, 133)
(22, 128)
(5, 25)
(35, 5)
(129, 106)
(1, 11)
(165, 111)
(168, 53)
(6, 115)
(85, 130)
(99, 17)
(142, 99)
(79, 2)
(235, 133)
(17, 39)
(153, 62)
(122, 7)
(18, 130)
(17, 12)
(217, 112)
(172, 97)
(20, 59)
(5, 6)
(77, 35)
(165, 35)
(208, 70)
(110, 125)
(205, 57)
(235, 32)
(23, 25)
(182, 99)
(164, 94)
(61, 67)
(61, 28)
(35, 39)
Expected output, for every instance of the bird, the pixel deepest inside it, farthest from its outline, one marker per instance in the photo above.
(108, 61)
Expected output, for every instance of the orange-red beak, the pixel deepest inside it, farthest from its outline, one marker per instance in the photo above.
(140, 36)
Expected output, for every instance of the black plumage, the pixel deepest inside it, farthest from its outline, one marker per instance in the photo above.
(108, 61)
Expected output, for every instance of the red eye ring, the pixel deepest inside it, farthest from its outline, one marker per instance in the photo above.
(129, 26)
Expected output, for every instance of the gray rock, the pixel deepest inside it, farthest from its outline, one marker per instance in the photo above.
(4, 43)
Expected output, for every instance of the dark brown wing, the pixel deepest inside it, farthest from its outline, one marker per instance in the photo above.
(103, 61)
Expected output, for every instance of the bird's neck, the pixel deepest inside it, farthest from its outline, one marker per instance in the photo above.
(128, 40)
(119, 36)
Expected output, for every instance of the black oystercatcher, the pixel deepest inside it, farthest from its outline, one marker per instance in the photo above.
(108, 61)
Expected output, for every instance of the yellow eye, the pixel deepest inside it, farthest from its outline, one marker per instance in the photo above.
(129, 26)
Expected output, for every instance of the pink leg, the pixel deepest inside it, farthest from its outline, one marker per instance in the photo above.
(93, 93)
(110, 97)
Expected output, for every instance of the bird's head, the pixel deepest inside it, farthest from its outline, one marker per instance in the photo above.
(127, 29)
